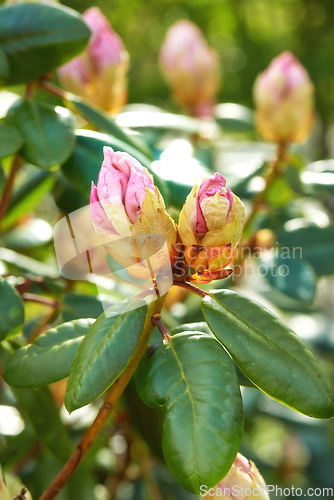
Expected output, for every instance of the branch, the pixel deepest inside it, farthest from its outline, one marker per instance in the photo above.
(32, 297)
(157, 321)
(53, 89)
(259, 199)
(190, 287)
(112, 396)
(7, 193)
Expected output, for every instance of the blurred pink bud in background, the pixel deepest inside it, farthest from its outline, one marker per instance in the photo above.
(99, 73)
(191, 68)
(283, 96)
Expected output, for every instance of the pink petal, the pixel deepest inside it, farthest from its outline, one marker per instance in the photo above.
(208, 188)
(99, 217)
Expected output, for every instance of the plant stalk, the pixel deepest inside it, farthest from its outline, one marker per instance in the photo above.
(7, 193)
(274, 171)
(190, 287)
(112, 396)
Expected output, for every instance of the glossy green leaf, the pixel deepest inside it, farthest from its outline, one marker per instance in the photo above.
(49, 358)
(194, 380)
(159, 121)
(313, 243)
(198, 326)
(318, 177)
(106, 124)
(11, 311)
(4, 66)
(85, 163)
(10, 140)
(294, 277)
(37, 38)
(48, 131)
(38, 404)
(76, 305)
(234, 117)
(28, 196)
(27, 265)
(65, 196)
(292, 175)
(104, 353)
(202, 326)
(31, 234)
(269, 353)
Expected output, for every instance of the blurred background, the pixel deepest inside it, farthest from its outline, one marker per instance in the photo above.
(288, 448)
(247, 34)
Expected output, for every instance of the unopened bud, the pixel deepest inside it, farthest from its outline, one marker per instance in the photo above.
(191, 68)
(211, 225)
(129, 214)
(98, 74)
(283, 96)
(242, 482)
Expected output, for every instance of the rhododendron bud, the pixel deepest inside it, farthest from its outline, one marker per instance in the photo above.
(191, 68)
(283, 95)
(129, 214)
(211, 224)
(98, 74)
(243, 481)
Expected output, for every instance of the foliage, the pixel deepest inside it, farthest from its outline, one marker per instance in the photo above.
(51, 149)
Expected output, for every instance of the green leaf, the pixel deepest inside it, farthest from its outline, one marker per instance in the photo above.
(4, 66)
(76, 305)
(197, 326)
(105, 124)
(269, 353)
(194, 380)
(48, 131)
(37, 38)
(159, 121)
(85, 163)
(313, 243)
(39, 406)
(27, 196)
(202, 326)
(104, 353)
(31, 234)
(318, 177)
(279, 193)
(234, 117)
(49, 358)
(294, 277)
(28, 265)
(11, 311)
(65, 196)
(10, 140)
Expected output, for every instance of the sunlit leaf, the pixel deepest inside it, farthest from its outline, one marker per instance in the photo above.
(269, 353)
(194, 380)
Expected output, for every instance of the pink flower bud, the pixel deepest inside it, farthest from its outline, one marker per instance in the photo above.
(124, 204)
(98, 74)
(190, 67)
(211, 224)
(283, 95)
(243, 481)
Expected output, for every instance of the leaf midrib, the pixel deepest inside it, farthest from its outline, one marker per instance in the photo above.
(191, 401)
(246, 322)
